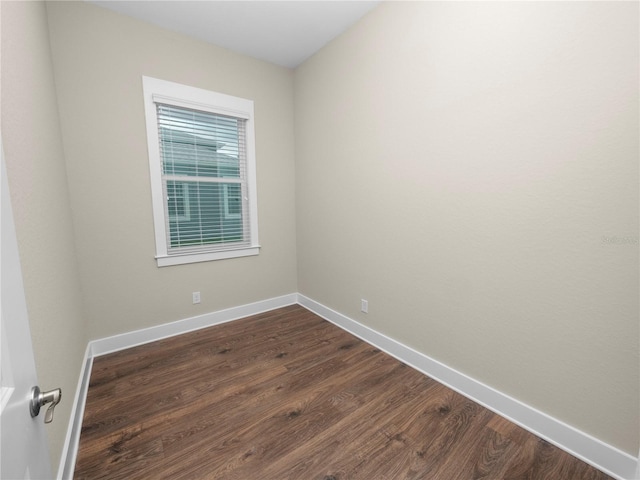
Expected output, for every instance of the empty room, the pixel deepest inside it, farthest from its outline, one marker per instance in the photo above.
(320, 240)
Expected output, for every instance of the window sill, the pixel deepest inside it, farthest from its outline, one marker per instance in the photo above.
(180, 259)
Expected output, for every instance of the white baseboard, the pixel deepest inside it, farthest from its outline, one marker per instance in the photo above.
(606, 458)
(152, 334)
(70, 449)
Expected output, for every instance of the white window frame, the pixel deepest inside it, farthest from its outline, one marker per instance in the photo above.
(163, 91)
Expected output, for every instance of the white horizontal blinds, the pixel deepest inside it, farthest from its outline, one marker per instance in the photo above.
(204, 173)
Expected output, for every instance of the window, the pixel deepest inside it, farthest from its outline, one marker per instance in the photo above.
(232, 201)
(178, 202)
(202, 167)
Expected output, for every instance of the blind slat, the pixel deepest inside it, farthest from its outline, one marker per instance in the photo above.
(204, 180)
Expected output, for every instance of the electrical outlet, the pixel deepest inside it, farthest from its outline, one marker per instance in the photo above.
(196, 297)
(364, 306)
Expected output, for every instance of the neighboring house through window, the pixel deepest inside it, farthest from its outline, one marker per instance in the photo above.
(178, 206)
(202, 167)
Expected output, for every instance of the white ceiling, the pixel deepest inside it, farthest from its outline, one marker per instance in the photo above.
(282, 32)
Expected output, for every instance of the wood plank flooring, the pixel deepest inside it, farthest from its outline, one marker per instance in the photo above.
(287, 395)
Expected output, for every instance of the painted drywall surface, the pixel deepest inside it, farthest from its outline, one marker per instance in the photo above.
(99, 60)
(38, 184)
(471, 169)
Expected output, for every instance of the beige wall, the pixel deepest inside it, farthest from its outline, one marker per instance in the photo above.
(39, 194)
(472, 170)
(99, 60)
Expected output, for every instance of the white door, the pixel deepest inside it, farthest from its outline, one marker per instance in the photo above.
(24, 452)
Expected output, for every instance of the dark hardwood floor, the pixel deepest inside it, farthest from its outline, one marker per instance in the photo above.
(287, 395)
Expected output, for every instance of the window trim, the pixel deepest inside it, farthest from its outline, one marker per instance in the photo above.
(163, 91)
